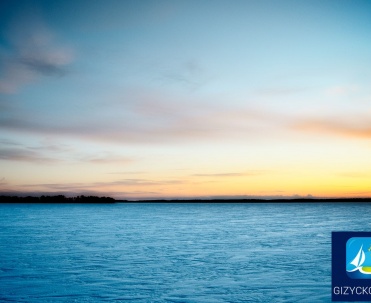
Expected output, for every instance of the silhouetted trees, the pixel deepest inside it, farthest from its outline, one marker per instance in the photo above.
(56, 199)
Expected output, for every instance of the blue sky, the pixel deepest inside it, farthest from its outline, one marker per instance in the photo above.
(185, 98)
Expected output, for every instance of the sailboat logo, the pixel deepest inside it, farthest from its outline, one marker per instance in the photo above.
(358, 258)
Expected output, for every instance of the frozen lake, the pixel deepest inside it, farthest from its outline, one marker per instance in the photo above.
(171, 252)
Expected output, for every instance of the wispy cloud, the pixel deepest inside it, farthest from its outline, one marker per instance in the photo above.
(126, 173)
(224, 175)
(21, 154)
(47, 63)
(357, 127)
(150, 118)
(103, 186)
(33, 51)
(107, 159)
(9, 142)
(49, 151)
(42, 153)
(189, 75)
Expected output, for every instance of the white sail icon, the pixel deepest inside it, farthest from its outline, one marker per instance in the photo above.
(358, 260)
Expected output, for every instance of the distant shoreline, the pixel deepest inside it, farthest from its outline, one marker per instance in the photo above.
(60, 199)
(219, 201)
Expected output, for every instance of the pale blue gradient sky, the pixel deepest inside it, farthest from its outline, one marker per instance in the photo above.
(185, 98)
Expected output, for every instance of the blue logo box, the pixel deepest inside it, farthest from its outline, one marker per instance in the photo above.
(351, 266)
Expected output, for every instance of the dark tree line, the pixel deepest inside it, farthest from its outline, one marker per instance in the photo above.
(56, 199)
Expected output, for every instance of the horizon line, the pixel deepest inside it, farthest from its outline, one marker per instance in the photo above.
(106, 199)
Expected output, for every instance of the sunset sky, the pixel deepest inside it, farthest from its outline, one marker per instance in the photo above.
(149, 99)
